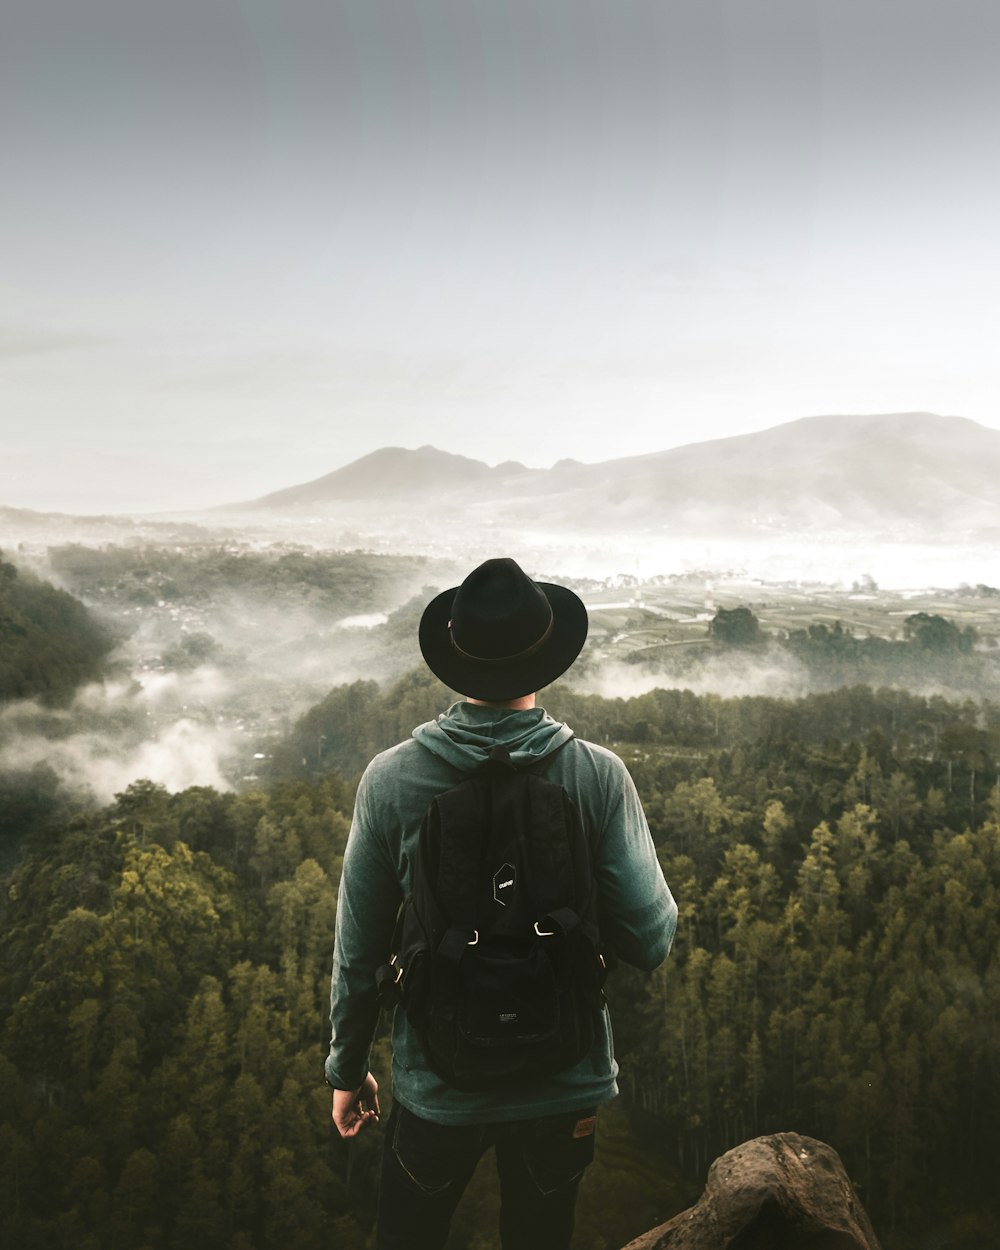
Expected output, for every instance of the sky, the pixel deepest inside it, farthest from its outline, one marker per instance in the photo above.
(244, 242)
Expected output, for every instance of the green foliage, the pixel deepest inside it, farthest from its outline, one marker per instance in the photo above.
(49, 643)
(933, 633)
(736, 627)
(29, 798)
(339, 583)
(163, 1014)
(355, 721)
(192, 650)
(931, 650)
(824, 655)
(164, 976)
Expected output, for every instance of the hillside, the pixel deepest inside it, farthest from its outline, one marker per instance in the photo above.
(835, 972)
(49, 642)
(914, 477)
(393, 471)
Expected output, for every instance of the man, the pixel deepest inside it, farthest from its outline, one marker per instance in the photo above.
(499, 637)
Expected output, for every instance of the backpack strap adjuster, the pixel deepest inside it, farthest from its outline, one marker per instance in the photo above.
(558, 923)
(453, 945)
(387, 985)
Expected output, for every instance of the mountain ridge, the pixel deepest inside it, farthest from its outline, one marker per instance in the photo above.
(915, 476)
(398, 468)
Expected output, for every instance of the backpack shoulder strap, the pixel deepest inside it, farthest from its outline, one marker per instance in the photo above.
(456, 822)
(554, 845)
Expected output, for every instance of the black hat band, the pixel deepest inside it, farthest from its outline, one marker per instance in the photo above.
(505, 659)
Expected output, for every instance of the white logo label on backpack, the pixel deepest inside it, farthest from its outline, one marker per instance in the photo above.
(503, 883)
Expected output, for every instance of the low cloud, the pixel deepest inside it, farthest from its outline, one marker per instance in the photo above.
(727, 674)
(116, 733)
(267, 663)
(184, 754)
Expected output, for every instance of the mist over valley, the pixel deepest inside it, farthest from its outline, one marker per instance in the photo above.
(223, 640)
(216, 650)
(229, 626)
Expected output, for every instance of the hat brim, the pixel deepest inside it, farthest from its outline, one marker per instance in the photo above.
(499, 682)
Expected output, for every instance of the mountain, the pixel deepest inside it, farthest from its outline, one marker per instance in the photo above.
(392, 471)
(915, 477)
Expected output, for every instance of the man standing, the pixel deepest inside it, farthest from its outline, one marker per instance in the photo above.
(499, 638)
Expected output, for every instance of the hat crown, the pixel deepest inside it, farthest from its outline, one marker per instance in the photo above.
(501, 635)
(499, 612)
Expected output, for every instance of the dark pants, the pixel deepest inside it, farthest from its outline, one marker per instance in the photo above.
(426, 1167)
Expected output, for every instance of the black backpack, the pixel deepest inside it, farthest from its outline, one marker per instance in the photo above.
(496, 954)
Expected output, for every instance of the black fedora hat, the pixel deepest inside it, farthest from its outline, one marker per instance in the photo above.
(501, 635)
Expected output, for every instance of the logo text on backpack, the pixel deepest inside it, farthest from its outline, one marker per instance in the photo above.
(503, 883)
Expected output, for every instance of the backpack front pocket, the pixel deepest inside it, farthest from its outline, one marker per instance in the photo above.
(508, 998)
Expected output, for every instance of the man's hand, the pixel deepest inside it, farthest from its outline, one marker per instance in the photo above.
(354, 1109)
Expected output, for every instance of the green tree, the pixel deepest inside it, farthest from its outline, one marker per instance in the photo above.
(736, 627)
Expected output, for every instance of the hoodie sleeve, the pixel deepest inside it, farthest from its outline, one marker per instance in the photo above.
(638, 912)
(367, 903)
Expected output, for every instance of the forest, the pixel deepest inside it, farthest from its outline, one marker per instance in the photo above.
(164, 968)
(49, 642)
(337, 583)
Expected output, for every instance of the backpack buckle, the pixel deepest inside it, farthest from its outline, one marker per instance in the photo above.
(561, 922)
(387, 988)
(454, 943)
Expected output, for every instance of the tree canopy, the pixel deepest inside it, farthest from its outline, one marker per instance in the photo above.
(49, 642)
(164, 969)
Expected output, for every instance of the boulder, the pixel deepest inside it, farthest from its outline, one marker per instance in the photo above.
(782, 1192)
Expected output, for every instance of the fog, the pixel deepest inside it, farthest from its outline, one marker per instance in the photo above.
(771, 674)
(212, 669)
(199, 689)
(115, 733)
(831, 558)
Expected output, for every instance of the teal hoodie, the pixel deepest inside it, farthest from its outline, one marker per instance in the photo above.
(638, 913)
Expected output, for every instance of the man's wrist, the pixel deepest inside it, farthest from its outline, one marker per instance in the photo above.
(338, 1082)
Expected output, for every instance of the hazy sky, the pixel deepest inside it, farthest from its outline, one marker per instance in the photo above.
(246, 241)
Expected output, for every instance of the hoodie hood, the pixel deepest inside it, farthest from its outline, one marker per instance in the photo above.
(467, 732)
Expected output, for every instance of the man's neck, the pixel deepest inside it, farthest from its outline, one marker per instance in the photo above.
(515, 705)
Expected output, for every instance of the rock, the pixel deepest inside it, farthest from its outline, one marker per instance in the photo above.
(782, 1192)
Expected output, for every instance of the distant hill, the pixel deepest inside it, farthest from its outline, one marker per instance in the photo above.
(903, 476)
(395, 472)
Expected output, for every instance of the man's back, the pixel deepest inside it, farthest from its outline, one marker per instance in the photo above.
(637, 911)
